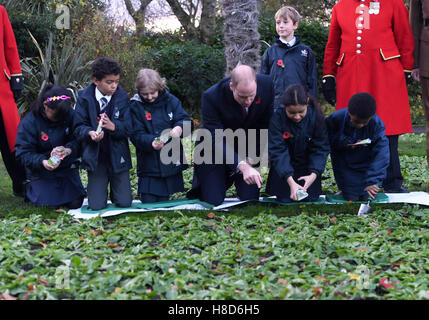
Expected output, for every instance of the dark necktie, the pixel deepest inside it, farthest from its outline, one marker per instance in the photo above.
(244, 112)
(103, 104)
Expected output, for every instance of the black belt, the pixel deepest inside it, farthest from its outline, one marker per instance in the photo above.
(426, 22)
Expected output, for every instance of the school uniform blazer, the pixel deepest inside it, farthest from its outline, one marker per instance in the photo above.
(290, 65)
(369, 53)
(36, 138)
(419, 12)
(10, 75)
(298, 148)
(220, 111)
(357, 168)
(149, 120)
(86, 120)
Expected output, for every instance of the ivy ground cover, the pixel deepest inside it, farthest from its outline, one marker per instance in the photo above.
(186, 255)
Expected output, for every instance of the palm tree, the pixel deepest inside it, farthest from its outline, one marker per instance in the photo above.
(241, 34)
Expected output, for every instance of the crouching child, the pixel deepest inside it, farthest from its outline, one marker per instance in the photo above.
(359, 148)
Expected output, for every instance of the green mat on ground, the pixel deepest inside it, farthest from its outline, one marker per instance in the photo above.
(273, 200)
(338, 198)
(138, 205)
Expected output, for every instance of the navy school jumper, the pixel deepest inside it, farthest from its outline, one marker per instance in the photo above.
(359, 167)
(87, 112)
(296, 149)
(149, 120)
(36, 138)
(298, 65)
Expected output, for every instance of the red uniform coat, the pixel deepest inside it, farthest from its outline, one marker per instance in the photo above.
(368, 52)
(9, 66)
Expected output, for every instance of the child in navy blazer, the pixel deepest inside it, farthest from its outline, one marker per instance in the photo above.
(44, 131)
(103, 125)
(288, 61)
(157, 116)
(298, 147)
(359, 170)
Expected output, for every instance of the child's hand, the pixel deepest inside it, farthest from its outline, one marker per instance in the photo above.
(107, 123)
(96, 137)
(48, 166)
(61, 149)
(294, 187)
(176, 132)
(372, 191)
(56, 149)
(157, 145)
(308, 180)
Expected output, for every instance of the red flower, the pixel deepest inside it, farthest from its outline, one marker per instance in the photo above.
(385, 283)
(258, 101)
(280, 63)
(44, 136)
(148, 116)
(286, 135)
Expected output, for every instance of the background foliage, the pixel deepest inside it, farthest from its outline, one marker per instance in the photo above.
(189, 66)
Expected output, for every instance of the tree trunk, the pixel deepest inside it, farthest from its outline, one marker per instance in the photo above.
(184, 18)
(208, 21)
(241, 34)
(138, 15)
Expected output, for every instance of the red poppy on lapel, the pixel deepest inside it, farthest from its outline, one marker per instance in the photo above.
(280, 63)
(44, 136)
(148, 116)
(286, 135)
(258, 101)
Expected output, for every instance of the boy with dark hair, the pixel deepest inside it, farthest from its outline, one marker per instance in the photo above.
(288, 61)
(103, 123)
(359, 148)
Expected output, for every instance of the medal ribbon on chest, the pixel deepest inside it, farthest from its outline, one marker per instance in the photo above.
(374, 7)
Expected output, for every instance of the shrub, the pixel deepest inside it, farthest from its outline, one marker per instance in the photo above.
(100, 38)
(416, 104)
(190, 68)
(40, 27)
(60, 66)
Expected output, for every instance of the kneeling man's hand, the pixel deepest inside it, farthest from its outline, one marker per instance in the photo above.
(250, 174)
(372, 191)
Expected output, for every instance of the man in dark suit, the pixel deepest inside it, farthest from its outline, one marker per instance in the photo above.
(241, 103)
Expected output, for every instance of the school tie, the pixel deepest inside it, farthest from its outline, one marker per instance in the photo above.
(103, 104)
(244, 112)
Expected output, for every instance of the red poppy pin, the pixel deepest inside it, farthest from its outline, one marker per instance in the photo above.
(280, 63)
(287, 135)
(148, 116)
(258, 101)
(44, 136)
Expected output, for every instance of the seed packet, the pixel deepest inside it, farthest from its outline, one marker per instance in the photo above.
(361, 142)
(301, 194)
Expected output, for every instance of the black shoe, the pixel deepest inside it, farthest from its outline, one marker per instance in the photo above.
(19, 192)
(400, 190)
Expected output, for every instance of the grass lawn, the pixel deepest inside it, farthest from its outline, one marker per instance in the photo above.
(253, 252)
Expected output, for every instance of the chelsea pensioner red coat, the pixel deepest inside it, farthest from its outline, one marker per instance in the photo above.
(370, 45)
(9, 66)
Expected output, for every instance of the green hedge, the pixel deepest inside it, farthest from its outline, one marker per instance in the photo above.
(189, 67)
(39, 26)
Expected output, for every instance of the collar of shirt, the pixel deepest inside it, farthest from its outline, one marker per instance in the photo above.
(99, 95)
(290, 43)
